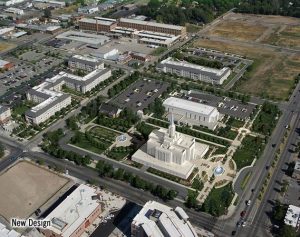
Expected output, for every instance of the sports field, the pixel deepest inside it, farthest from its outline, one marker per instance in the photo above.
(25, 187)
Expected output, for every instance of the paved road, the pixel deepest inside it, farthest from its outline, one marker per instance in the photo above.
(261, 221)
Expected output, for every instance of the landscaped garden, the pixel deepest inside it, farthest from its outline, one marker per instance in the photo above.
(251, 148)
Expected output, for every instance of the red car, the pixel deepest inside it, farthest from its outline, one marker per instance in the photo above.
(243, 213)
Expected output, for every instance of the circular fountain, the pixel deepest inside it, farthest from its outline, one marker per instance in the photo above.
(122, 138)
(218, 170)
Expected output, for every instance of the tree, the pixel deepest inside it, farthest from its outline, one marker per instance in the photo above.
(2, 149)
(47, 13)
(287, 231)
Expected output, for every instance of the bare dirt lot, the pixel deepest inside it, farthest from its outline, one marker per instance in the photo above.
(286, 36)
(260, 28)
(274, 70)
(237, 30)
(25, 187)
(4, 46)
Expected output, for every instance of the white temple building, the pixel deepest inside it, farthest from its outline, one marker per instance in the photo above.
(170, 151)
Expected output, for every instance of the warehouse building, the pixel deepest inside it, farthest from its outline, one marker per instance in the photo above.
(49, 98)
(152, 26)
(5, 114)
(99, 24)
(193, 71)
(75, 214)
(85, 63)
(158, 220)
(10, 2)
(192, 113)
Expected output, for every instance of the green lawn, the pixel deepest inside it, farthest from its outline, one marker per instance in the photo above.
(218, 200)
(235, 123)
(250, 149)
(85, 144)
(21, 109)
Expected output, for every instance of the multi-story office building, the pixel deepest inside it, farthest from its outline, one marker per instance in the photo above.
(85, 63)
(49, 102)
(5, 114)
(49, 98)
(152, 26)
(158, 220)
(99, 24)
(75, 214)
(193, 71)
(192, 113)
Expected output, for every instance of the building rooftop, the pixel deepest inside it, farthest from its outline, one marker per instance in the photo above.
(297, 166)
(157, 219)
(86, 59)
(3, 63)
(292, 216)
(193, 67)
(96, 21)
(73, 211)
(150, 23)
(3, 109)
(189, 105)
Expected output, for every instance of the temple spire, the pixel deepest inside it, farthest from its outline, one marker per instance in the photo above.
(172, 127)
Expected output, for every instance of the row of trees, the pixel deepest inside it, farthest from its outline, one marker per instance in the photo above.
(2, 149)
(51, 146)
(107, 170)
(116, 89)
(204, 11)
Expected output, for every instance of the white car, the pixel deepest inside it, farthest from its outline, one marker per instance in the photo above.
(248, 202)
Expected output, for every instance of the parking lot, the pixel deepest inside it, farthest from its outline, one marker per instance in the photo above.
(225, 105)
(140, 94)
(29, 64)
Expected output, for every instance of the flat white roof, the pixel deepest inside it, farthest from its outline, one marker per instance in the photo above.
(297, 166)
(292, 216)
(83, 37)
(151, 23)
(85, 58)
(167, 217)
(189, 105)
(185, 64)
(3, 62)
(73, 211)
